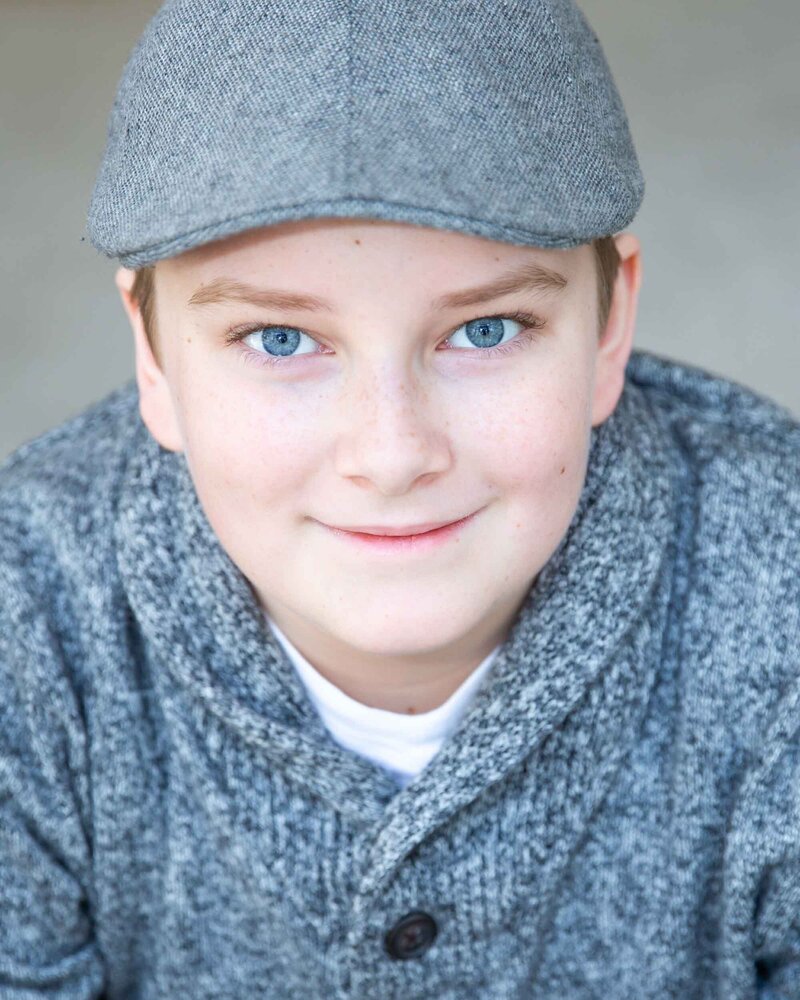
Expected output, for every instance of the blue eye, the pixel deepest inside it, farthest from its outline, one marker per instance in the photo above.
(486, 332)
(280, 341)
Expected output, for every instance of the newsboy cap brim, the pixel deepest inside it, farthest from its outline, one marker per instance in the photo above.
(499, 119)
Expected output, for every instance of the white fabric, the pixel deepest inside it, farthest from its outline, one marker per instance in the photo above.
(402, 744)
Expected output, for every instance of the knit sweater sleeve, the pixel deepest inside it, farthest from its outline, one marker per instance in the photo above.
(763, 857)
(777, 904)
(47, 945)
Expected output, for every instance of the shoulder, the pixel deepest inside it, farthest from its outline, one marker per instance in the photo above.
(66, 480)
(738, 662)
(740, 456)
(58, 497)
(738, 453)
(741, 448)
(58, 494)
(78, 454)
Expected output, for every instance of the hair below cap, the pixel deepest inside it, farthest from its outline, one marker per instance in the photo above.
(498, 118)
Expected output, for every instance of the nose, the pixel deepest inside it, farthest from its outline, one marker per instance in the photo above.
(391, 433)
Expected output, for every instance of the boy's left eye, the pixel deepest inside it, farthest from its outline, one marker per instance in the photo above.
(484, 335)
(489, 331)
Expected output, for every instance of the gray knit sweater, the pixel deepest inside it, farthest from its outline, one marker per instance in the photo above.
(617, 816)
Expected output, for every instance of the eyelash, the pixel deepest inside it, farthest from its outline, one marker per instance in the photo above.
(529, 332)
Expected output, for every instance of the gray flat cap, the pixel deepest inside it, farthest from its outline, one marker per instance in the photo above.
(498, 118)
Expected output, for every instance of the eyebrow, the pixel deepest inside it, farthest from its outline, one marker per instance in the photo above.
(530, 276)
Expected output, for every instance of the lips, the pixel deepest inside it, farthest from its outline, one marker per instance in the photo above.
(408, 540)
(393, 530)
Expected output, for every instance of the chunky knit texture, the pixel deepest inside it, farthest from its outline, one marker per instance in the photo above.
(617, 816)
(499, 119)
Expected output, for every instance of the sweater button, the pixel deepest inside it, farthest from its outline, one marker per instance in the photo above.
(411, 936)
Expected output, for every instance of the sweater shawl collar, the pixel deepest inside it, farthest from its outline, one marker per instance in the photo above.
(568, 686)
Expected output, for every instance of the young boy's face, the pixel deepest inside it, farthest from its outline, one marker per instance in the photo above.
(381, 411)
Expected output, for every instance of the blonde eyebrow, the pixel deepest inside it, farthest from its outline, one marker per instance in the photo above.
(222, 290)
(528, 277)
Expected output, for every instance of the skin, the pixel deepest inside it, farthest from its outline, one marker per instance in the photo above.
(395, 417)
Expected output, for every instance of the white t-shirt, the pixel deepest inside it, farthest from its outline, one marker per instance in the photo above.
(402, 744)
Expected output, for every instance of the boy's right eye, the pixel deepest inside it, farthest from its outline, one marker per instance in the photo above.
(282, 341)
(271, 344)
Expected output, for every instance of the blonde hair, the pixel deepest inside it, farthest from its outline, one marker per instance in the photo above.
(607, 262)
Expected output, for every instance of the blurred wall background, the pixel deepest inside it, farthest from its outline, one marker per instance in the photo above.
(711, 88)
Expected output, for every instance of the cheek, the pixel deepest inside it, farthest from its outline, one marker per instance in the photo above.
(251, 452)
(537, 465)
(540, 445)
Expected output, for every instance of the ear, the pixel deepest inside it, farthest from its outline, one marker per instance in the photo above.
(155, 399)
(616, 340)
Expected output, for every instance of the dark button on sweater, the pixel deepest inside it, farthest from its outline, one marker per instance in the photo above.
(411, 936)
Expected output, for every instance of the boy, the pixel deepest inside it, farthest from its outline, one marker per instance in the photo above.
(400, 631)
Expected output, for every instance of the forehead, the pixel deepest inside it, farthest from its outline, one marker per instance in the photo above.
(316, 256)
(317, 236)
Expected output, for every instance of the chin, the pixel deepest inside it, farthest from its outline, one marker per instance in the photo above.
(401, 635)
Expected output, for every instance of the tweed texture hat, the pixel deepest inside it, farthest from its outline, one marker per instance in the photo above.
(493, 117)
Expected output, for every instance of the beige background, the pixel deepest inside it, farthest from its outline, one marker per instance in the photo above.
(711, 88)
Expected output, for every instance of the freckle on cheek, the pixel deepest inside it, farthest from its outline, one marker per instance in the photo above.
(563, 467)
